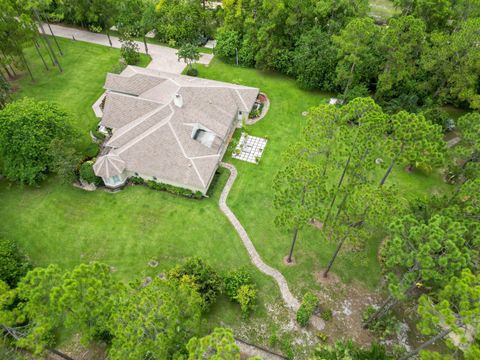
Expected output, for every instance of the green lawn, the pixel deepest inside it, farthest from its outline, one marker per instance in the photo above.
(57, 223)
(251, 197)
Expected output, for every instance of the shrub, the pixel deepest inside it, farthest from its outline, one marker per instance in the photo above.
(36, 138)
(87, 174)
(173, 189)
(326, 315)
(129, 50)
(246, 297)
(13, 264)
(384, 327)
(208, 282)
(227, 44)
(322, 336)
(192, 71)
(136, 180)
(233, 280)
(309, 303)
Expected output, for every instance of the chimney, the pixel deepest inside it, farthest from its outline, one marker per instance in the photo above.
(178, 100)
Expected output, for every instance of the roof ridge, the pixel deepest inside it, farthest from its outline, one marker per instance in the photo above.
(241, 98)
(137, 122)
(185, 154)
(144, 134)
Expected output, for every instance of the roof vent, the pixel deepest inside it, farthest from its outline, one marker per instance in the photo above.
(178, 100)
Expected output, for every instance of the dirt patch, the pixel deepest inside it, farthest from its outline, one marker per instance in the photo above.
(316, 224)
(94, 351)
(331, 279)
(291, 263)
(347, 303)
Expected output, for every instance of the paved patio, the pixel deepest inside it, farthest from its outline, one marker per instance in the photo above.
(250, 148)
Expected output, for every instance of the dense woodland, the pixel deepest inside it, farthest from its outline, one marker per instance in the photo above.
(395, 78)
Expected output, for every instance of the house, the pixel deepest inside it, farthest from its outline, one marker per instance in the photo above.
(168, 128)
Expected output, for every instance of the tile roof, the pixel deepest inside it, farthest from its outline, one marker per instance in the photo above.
(154, 137)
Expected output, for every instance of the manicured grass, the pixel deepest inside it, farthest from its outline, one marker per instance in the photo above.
(252, 196)
(57, 223)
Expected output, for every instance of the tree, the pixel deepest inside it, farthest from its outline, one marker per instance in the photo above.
(228, 43)
(129, 49)
(468, 150)
(456, 309)
(205, 279)
(155, 321)
(137, 17)
(35, 293)
(402, 43)
(84, 299)
(315, 59)
(219, 345)
(452, 65)
(13, 264)
(414, 141)
(298, 189)
(28, 132)
(189, 53)
(5, 89)
(425, 254)
(358, 56)
(180, 21)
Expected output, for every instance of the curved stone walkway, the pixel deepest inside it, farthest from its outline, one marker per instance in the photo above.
(287, 296)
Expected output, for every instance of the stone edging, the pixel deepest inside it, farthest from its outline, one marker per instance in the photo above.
(287, 296)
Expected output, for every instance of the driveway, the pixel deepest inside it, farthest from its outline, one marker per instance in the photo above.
(163, 57)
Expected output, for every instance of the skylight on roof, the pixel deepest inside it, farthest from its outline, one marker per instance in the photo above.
(204, 137)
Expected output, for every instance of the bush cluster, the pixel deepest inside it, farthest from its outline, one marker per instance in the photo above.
(13, 264)
(207, 281)
(384, 327)
(173, 189)
(87, 174)
(239, 287)
(308, 306)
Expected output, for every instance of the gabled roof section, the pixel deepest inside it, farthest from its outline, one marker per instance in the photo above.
(135, 84)
(120, 109)
(139, 126)
(109, 165)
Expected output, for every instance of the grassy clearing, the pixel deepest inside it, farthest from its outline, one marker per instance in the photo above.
(252, 196)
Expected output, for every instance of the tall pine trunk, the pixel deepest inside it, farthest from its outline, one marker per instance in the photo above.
(26, 65)
(295, 234)
(145, 43)
(40, 54)
(392, 164)
(340, 182)
(108, 36)
(332, 260)
(54, 37)
(47, 41)
(426, 344)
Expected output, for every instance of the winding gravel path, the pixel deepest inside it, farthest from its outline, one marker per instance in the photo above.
(287, 296)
